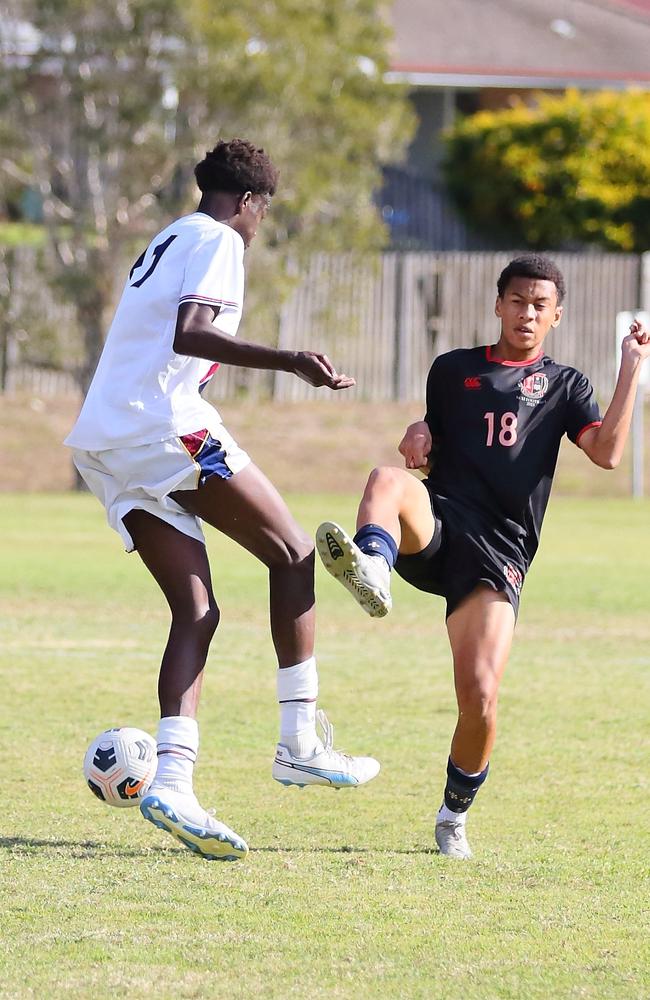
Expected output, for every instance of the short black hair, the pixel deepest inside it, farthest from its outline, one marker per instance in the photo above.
(532, 265)
(236, 166)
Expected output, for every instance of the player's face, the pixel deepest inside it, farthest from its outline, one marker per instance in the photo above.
(528, 310)
(252, 210)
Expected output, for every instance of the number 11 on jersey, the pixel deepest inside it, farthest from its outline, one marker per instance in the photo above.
(156, 254)
(507, 429)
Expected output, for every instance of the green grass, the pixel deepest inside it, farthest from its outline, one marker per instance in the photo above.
(342, 894)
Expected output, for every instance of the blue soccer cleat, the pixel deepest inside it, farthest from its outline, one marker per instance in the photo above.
(197, 829)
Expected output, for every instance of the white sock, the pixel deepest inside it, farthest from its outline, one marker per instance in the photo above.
(297, 689)
(445, 815)
(378, 555)
(298, 727)
(178, 746)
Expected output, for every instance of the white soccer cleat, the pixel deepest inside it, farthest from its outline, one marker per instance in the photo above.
(366, 577)
(181, 815)
(452, 839)
(326, 766)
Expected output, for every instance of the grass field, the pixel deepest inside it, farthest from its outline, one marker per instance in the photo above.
(342, 895)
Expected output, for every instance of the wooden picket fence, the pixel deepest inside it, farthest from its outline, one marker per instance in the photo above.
(384, 317)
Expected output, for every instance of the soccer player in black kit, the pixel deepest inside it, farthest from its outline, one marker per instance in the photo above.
(488, 444)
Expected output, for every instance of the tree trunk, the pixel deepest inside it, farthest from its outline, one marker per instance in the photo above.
(92, 303)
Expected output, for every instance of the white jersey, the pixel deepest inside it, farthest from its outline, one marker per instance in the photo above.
(142, 390)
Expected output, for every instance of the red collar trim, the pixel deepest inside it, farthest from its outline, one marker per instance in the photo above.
(511, 364)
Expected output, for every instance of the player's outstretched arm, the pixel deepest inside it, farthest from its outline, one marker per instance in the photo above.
(416, 445)
(604, 445)
(196, 337)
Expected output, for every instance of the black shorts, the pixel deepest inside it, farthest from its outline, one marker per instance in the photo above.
(463, 553)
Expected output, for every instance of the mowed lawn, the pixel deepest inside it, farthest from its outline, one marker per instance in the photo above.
(342, 894)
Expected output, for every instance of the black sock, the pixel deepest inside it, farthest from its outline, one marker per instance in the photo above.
(461, 789)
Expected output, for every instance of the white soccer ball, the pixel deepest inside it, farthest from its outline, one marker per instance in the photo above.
(120, 764)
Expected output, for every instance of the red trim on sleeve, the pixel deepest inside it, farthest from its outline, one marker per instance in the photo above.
(511, 364)
(207, 300)
(594, 423)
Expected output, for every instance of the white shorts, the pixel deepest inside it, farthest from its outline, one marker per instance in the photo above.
(142, 478)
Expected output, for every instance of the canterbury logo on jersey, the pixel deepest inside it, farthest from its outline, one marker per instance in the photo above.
(473, 382)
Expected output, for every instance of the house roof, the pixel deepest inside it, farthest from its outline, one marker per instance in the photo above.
(522, 43)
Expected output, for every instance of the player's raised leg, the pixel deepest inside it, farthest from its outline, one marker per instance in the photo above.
(480, 633)
(394, 517)
(248, 508)
(180, 566)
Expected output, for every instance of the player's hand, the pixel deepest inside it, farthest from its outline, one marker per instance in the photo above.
(317, 369)
(416, 445)
(636, 346)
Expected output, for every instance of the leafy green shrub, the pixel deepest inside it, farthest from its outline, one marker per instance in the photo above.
(571, 170)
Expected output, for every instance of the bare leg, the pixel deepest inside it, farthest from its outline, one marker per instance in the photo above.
(179, 564)
(394, 518)
(249, 509)
(480, 632)
(398, 502)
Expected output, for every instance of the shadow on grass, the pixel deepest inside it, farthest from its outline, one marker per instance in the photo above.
(82, 848)
(343, 850)
(95, 848)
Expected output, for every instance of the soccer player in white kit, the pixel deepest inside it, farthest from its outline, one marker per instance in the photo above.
(160, 460)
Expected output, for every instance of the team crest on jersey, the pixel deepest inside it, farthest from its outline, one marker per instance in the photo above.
(534, 386)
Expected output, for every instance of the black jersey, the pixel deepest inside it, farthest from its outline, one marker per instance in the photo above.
(497, 427)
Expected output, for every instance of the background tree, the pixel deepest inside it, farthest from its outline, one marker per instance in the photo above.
(109, 104)
(85, 94)
(571, 170)
(307, 78)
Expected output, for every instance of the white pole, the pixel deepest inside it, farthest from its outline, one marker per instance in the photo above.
(644, 381)
(638, 444)
(644, 297)
(623, 321)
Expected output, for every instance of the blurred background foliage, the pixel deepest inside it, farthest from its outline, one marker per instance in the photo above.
(106, 107)
(568, 171)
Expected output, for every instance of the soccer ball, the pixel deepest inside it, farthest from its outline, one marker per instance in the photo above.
(120, 764)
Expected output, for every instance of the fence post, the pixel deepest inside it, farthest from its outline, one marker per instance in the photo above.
(4, 351)
(644, 283)
(5, 299)
(398, 366)
(642, 391)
